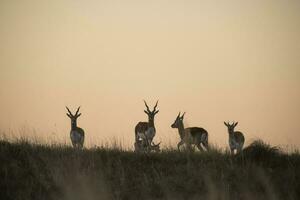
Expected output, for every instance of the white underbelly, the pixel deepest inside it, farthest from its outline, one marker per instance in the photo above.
(141, 136)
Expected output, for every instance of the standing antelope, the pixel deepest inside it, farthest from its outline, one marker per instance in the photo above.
(146, 130)
(236, 138)
(192, 135)
(76, 133)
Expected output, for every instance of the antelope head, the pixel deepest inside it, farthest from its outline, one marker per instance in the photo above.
(178, 121)
(150, 113)
(231, 126)
(155, 147)
(73, 117)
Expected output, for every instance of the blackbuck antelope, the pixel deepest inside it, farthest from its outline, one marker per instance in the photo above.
(76, 133)
(192, 135)
(142, 146)
(236, 138)
(146, 130)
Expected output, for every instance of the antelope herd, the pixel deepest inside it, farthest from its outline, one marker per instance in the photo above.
(145, 133)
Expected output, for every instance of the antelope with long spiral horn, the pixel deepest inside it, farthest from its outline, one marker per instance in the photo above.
(145, 131)
(76, 133)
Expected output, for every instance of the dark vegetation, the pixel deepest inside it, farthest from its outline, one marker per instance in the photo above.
(32, 171)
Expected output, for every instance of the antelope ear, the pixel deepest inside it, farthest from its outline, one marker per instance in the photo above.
(78, 115)
(236, 124)
(225, 124)
(145, 111)
(68, 115)
(156, 112)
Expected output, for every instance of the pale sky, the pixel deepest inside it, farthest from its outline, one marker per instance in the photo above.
(216, 60)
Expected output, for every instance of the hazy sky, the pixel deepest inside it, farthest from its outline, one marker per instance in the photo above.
(216, 60)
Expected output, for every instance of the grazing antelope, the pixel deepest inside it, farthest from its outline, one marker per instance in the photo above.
(146, 130)
(142, 146)
(192, 135)
(236, 138)
(76, 133)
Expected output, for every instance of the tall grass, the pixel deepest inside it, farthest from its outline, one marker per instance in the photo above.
(38, 171)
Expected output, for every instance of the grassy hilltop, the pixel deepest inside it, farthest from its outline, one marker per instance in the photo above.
(32, 171)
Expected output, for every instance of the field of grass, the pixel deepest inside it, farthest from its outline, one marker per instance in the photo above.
(33, 171)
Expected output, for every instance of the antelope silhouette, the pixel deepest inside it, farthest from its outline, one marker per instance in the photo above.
(192, 135)
(236, 138)
(76, 133)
